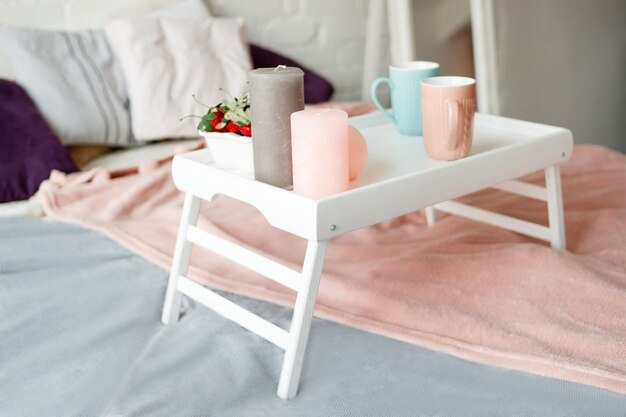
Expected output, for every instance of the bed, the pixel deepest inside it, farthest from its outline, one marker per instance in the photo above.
(81, 295)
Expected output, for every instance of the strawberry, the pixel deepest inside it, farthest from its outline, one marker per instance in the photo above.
(217, 121)
(245, 130)
(232, 127)
(231, 115)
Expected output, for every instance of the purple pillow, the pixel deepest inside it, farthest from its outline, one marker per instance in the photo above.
(29, 150)
(316, 88)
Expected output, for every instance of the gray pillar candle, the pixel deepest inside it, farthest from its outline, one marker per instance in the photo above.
(275, 93)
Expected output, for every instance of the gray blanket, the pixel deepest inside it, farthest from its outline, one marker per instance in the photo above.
(80, 336)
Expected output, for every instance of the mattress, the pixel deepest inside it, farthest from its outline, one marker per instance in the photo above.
(81, 336)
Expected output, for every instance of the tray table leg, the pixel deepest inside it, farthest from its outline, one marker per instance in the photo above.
(180, 262)
(301, 320)
(431, 215)
(555, 207)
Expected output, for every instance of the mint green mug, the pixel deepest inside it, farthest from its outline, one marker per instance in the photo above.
(406, 94)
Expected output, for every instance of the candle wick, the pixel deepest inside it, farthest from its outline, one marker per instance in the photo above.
(280, 67)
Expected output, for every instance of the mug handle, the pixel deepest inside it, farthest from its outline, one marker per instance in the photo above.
(374, 87)
(453, 124)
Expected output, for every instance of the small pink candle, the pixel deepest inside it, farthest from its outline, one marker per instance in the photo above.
(319, 147)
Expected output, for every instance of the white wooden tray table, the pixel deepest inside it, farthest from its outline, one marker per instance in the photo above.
(398, 178)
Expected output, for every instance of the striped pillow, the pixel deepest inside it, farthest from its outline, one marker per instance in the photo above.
(75, 81)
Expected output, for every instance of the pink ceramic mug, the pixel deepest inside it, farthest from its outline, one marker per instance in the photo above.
(448, 106)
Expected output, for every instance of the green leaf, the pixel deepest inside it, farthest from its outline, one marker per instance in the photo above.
(210, 116)
(238, 117)
(220, 125)
(205, 124)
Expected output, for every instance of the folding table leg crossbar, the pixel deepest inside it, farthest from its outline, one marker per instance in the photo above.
(305, 283)
(551, 194)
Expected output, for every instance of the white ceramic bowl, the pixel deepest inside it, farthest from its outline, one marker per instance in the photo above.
(230, 151)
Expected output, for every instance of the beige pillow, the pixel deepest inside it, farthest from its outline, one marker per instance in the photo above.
(165, 61)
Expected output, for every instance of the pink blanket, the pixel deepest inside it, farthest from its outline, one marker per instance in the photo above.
(472, 290)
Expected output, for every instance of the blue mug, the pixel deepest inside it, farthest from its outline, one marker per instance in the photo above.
(406, 94)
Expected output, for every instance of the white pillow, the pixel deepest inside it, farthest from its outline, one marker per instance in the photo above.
(166, 61)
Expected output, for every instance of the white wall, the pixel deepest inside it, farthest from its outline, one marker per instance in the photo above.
(443, 34)
(326, 35)
(563, 62)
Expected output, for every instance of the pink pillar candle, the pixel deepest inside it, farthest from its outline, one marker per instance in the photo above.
(319, 146)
